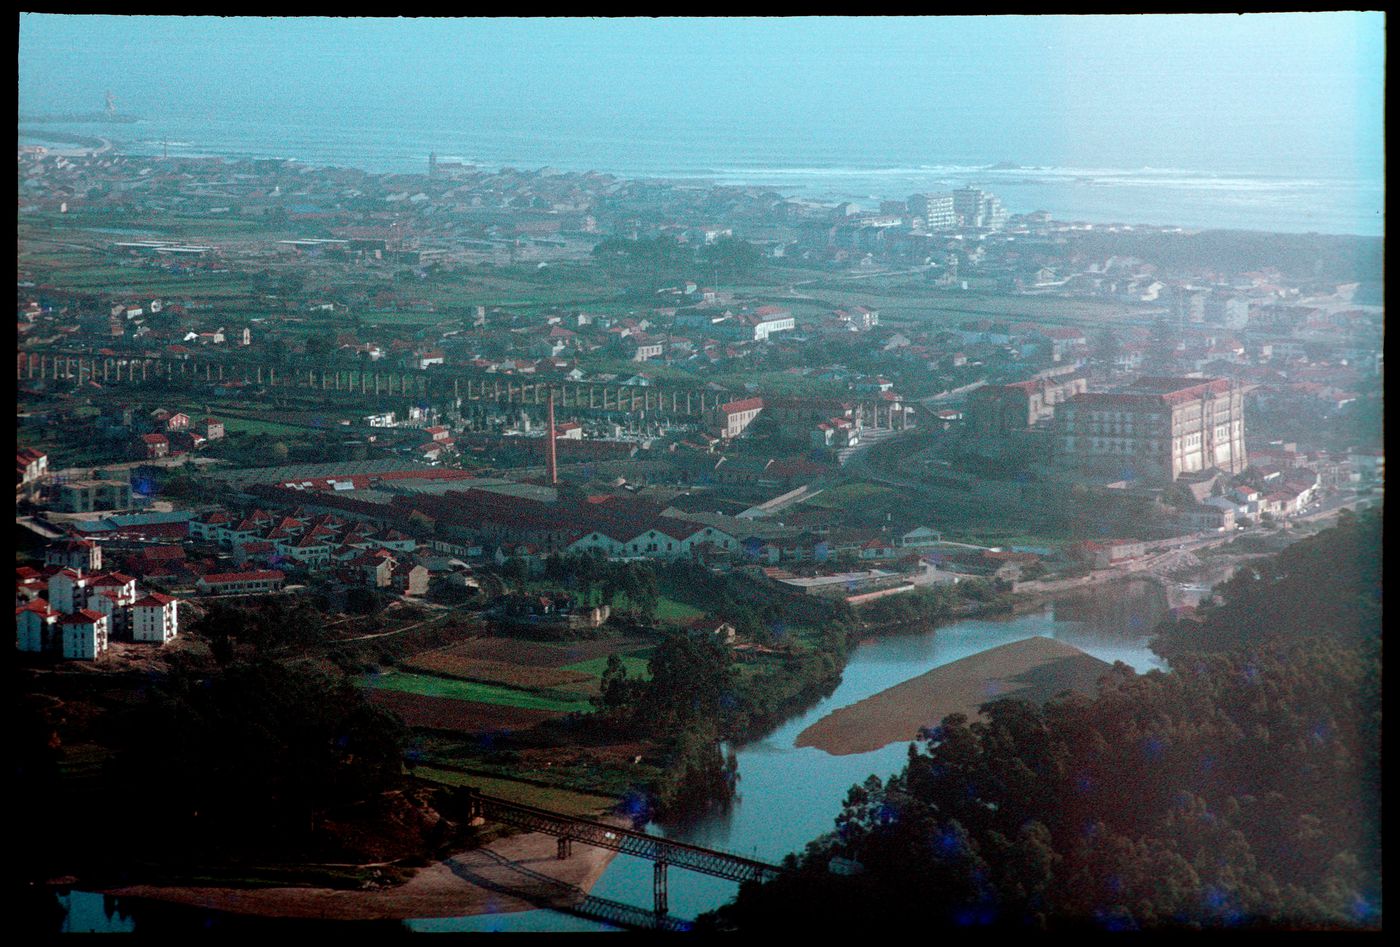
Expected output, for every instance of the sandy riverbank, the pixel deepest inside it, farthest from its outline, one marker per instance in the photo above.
(467, 883)
(1035, 669)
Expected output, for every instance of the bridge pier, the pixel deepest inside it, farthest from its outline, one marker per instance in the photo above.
(659, 888)
(566, 847)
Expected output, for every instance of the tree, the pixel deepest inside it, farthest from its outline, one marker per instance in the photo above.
(1240, 790)
(616, 690)
(691, 677)
(730, 258)
(516, 569)
(253, 754)
(319, 345)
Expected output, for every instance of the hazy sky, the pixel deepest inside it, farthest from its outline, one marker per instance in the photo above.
(1259, 91)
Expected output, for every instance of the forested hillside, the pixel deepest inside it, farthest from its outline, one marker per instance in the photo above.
(1242, 789)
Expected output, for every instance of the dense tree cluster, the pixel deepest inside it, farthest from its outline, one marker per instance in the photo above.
(262, 625)
(1328, 586)
(1239, 790)
(1319, 256)
(255, 754)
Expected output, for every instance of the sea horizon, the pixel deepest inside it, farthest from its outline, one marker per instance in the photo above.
(1271, 202)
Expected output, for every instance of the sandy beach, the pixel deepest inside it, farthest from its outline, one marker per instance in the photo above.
(1035, 669)
(470, 882)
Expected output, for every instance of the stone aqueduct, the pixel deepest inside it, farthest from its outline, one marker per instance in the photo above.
(430, 385)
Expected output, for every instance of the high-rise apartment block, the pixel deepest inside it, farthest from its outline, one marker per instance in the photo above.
(936, 210)
(976, 208)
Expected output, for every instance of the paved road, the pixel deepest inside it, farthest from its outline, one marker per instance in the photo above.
(794, 294)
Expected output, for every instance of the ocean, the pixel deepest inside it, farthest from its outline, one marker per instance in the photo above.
(826, 172)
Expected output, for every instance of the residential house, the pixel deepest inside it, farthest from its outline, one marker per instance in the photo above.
(154, 445)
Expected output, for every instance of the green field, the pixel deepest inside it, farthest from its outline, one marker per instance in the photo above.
(559, 800)
(396, 318)
(634, 663)
(847, 495)
(668, 609)
(428, 686)
(254, 426)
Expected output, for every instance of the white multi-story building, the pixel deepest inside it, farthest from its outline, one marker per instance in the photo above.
(976, 208)
(155, 618)
(936, 210)
(67, 590)
(84, 635)
(36, 626)
(122, 587)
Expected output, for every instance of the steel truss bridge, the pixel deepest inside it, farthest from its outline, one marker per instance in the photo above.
(661, 851)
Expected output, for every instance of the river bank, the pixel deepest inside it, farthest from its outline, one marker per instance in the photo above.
(469, 883)
(1034, 669)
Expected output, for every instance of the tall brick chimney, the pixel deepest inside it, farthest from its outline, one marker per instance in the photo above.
(551, 460)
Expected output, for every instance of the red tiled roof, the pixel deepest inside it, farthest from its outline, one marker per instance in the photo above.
(112, 578)
(156, 553)
(222, 577)
(155, 600)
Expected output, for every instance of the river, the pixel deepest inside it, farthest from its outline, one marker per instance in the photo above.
(790, 795)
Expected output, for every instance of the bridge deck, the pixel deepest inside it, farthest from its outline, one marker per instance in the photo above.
(629, 841)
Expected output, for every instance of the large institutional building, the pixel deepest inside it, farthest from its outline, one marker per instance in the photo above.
(1155, 429)
(1002, 409)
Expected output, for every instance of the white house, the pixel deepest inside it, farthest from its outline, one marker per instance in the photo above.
(155, 618)
(921, 536)
(84, 635)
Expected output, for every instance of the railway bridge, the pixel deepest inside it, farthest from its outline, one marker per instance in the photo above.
(662, 852)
